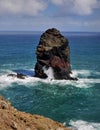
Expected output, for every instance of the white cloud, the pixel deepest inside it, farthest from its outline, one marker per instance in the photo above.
(80, 7)
(85, 7)
(34, 7)
(22, 7)
(66, 8)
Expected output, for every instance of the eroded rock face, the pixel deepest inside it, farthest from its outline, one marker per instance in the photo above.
(53, 51)
(12, 119)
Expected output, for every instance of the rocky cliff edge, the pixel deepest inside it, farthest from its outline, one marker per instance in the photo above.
(12, 119)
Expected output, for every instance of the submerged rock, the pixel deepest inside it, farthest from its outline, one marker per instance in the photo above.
(53, 51)
(12, 119)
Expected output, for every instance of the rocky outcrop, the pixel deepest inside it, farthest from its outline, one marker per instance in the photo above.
(18, 75)
(53, 51)
(12, 119)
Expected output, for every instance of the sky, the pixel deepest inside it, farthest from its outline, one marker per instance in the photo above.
(39, 15)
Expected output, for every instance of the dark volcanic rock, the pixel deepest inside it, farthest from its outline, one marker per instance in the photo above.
(53, 51)
(20, 76)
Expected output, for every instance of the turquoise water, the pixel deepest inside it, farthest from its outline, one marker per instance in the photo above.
(76, 103)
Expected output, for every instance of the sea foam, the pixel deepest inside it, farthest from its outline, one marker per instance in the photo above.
(83, 81)
(84, 73)
(49, 72)
(84, 125)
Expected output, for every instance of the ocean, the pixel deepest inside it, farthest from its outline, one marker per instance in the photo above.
(74, 103)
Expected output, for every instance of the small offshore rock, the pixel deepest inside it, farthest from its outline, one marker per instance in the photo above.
(18, 75)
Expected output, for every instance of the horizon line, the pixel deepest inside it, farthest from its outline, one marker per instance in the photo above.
(43, 31)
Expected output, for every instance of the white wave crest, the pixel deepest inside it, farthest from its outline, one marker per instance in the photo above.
(84, 73)
(83, 82)
(6, 81)
(83, 125)
(81, 72)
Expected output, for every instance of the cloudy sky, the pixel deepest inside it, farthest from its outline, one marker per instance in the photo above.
(39, 15)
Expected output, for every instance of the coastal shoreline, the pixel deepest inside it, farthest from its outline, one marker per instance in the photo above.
(12, 119)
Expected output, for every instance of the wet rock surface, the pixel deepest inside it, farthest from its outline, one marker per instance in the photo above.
(53, 51)
(18, 75)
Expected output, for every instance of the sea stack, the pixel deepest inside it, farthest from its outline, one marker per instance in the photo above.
(53, 52)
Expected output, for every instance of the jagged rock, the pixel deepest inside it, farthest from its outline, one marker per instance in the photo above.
(12, 119)
(18, 75)
(53, 51)
(12, 75)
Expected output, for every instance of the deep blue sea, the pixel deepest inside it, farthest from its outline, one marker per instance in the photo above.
(74, 103)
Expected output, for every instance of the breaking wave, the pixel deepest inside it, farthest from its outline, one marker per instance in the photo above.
(83, 125)
(83, 82)
(49, 72)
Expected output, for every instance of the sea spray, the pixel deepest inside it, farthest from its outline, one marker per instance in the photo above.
(49, 72)
(83, 82)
